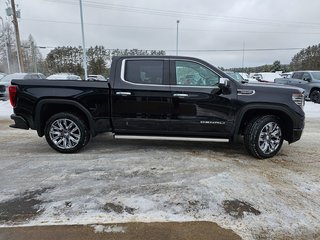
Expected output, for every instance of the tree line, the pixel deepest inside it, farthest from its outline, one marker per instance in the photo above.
(306, 59)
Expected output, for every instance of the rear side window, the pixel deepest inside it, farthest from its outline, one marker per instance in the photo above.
(144, 72)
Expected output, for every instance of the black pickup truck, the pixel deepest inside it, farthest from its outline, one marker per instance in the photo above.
(164, 97)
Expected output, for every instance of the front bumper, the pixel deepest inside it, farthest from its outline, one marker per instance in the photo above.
(19, 122)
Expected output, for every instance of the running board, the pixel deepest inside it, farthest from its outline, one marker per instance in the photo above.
(224, 140)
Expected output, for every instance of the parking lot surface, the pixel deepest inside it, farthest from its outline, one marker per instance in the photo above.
(121, 181)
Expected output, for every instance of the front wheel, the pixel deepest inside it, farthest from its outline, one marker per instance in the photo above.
(66, 132)
(315, 96)
(263, 136)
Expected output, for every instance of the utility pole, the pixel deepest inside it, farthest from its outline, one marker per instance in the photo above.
(244, 45)
(16, 28)
(83, 45)
(177, 42)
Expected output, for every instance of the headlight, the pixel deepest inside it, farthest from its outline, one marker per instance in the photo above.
(298, 98)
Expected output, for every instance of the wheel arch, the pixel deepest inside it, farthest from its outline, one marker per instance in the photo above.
(48, 107)
(250, 112)
(314, 88)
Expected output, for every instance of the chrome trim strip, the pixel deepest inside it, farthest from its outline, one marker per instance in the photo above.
(180, 95)
(123, 66)
(245, 92)
(225, 140)
(123, 93)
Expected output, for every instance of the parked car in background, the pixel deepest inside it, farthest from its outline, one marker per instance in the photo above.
(308, 80)
(236, 76)
(2, 75)
(96, 78)
(64, 76)
(246, 76)
(6, 81)
(286, 74)
(266, 76)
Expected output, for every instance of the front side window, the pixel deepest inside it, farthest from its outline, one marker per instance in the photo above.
(194, 74)
(144, 72)
(306, 76)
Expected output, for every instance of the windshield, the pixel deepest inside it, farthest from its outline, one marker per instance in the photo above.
(316, 75)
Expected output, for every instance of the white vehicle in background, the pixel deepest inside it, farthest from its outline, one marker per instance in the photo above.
(247, 77)
(96, 78)
(64, 76)
(266, 76)
(2, 75)
(286, 74)
(244, 75)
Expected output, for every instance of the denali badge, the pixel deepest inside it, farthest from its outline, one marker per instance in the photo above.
(213, 122)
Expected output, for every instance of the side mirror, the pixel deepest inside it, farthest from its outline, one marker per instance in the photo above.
(224, 83)
(307, 79)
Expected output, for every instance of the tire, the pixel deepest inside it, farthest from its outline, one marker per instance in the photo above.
(263, 136)
(315, 96)
(66, 132)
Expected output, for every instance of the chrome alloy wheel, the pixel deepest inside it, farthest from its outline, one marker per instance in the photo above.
(270, 138)
(64, 133)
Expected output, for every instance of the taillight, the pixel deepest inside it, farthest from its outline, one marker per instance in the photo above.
(13, 95)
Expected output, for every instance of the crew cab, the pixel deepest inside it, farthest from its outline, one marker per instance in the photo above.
(308, 80)
(162, 97)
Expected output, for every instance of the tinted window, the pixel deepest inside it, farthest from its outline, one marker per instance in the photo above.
(144, 72)
(194, 74)
(297, 75)
(306, 76)
(316, 75)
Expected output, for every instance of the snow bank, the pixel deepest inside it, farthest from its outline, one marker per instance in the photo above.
(312, 110)
(5, 110)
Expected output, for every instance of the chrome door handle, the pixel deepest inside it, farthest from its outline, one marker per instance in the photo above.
(180, 95)
(123, 93)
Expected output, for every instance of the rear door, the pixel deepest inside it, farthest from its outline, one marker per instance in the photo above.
(198, 106)
(141, 97)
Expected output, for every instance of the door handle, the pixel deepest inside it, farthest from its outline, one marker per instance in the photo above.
(181, 95)
(123, 93)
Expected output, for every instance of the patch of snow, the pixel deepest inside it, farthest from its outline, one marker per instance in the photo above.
(312, 110)
(109, 229)
(5, 110)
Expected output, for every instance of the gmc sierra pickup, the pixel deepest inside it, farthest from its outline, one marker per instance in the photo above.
(164, 97)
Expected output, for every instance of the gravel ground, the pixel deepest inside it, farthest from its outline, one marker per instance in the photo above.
(118, 181)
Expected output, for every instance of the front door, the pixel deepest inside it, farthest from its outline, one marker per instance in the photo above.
(198, 106)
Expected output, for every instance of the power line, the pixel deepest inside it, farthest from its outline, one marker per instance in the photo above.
(163, 28)
(201, 16)
(203, 50)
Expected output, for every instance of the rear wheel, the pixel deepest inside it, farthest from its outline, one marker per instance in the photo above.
(315, 96)
(263, 136)
(66, 132)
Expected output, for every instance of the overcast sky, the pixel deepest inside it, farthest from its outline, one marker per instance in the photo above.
(204, 25)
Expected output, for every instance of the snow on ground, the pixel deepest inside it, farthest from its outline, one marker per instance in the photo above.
(114, 181)
(5, 110)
